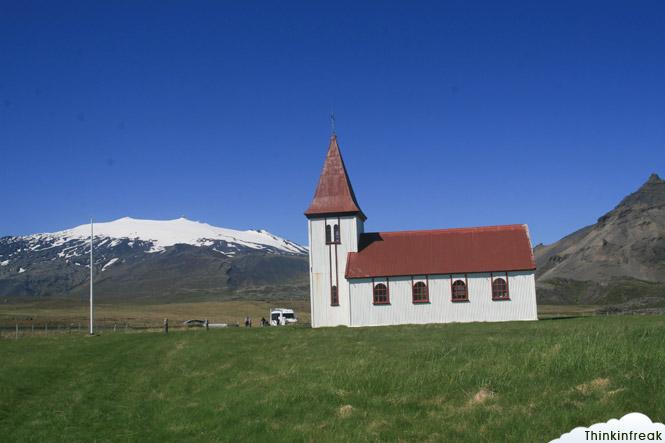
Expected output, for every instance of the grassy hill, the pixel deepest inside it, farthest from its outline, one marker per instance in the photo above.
(457, 382)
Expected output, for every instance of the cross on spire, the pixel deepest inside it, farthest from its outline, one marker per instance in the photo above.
(332, 122)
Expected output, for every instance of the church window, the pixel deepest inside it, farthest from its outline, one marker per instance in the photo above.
(328, 236)
(334, 298)
(381, 294)
(419, 293)
(499, 289)
(459, 291)
(336, 234)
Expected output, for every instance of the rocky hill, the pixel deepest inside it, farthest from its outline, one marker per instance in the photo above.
(174, 259)
(618, 261)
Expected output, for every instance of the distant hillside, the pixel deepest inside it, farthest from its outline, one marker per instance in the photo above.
(174, 259)
(618, 261)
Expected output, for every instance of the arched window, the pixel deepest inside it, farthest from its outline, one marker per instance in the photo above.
(336, 233)
(419, 293)
(381, 294)
(334, 298)
(459, 291)
(499, 289)
(328, 236)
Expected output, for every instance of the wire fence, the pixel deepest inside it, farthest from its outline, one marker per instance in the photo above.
(18, 330)
(23, 329)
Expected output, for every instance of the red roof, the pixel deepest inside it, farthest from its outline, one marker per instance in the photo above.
(443, 251)
(334, 194)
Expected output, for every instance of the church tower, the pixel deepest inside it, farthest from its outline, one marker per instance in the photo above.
(335, 222)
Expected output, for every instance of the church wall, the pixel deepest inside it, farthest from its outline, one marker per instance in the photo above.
(328, 262)
(440, 309)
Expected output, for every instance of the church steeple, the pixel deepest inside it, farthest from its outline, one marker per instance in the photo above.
(334, 193)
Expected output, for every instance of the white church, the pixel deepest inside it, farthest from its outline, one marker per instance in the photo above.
(389, 278)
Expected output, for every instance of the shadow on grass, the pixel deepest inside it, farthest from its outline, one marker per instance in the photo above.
(565, 317)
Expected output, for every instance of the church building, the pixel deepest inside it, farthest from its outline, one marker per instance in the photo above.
(360, 278)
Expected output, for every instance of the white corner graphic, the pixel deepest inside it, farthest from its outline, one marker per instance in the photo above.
(633, 427)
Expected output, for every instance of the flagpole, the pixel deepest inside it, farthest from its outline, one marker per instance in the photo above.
(91, 276)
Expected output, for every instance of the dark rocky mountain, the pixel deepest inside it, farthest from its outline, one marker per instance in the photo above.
(171, 260)
(618, 261)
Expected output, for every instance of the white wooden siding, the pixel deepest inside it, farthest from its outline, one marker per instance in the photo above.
(440, 309)
(322, 262)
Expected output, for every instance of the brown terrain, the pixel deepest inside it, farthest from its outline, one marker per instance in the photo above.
(618, 262)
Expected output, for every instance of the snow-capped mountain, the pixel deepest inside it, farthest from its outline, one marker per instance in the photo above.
(149, 257)
(164, 233)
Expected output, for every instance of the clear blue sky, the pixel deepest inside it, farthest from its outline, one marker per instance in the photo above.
(449, 114)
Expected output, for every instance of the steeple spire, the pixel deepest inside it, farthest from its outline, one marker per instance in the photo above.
(334, 193)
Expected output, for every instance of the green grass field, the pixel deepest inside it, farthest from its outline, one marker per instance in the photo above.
(457, 382)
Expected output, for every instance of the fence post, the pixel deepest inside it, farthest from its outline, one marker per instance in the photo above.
(115, 327)
(166, 326)
(33, 327)
(16, 330)
(46, 328)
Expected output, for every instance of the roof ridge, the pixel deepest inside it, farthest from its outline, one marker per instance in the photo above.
(452, 230)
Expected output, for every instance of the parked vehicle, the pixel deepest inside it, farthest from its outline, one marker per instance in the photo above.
(194, 323)
(282, 317)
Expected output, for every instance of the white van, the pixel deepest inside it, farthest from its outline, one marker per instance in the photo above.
(282, 317)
